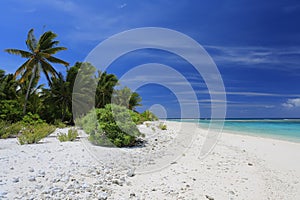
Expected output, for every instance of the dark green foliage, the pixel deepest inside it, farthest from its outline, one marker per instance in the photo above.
(32, 134)
(134, 101)
(59, 99)
(105, 88)
(112, 128)
(10, 110)
(8, 86)
(71, 136)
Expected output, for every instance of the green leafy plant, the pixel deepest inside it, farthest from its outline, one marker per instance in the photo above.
(32, 119)
(10, 110)
(71, 136)
(112, 128)
(32, 134)
(88, 122)
(162, 126)
(59, 124)
(9, 130)
(148, 116)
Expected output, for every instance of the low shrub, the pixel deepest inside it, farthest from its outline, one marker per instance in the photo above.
(148, 116)
(59, 124)
(88, 122)
(32, 134)
(3, 127)
(32, 119)
(112, 126)
(135, 117)
(71, 136)
(10, 110)
(138, 118)
(8, 129)
(162, 126)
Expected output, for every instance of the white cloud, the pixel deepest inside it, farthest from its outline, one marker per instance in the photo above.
(123, 5)
(243, 93)
(253, 55)
(292, 103)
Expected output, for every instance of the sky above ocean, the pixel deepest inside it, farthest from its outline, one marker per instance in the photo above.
(254, 44)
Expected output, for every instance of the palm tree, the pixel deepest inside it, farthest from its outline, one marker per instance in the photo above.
(59, 95)
(105, 88)
(39, 55)
(8, 86)
(125, 97)
(134, 101)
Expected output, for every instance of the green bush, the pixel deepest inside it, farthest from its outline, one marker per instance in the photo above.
(148, 116)
(88, 122)
(8, 129)
(10, 110)
(71, 136)
(34, 133)
(162, 126)
(113, 126)
(59, 124)
(32, 119)
(138, 118)
(135, 117)
(13, 130)
(3, 127)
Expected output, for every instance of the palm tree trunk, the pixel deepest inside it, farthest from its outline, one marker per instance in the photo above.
(29, 88)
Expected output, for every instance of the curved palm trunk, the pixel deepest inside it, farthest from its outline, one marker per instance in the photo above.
(29, 88)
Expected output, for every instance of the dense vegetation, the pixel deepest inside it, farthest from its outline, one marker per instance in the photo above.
(28, 110)
(113, 125)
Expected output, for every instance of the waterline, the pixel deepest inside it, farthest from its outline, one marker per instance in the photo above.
(283, 129)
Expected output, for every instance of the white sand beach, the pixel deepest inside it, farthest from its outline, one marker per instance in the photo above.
(239, 167)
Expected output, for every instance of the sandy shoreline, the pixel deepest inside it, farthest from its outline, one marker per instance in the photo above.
(239, 167)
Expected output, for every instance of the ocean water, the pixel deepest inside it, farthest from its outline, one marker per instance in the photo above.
(283, 129)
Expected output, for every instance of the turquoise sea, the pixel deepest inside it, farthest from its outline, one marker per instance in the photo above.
(283, 129)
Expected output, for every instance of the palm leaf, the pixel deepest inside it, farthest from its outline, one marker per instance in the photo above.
(28, 72)
(46, 40)
(24, 54)
(47, 76)
(28, 65)
(54, 50)
(47, 35)
(31, 41)
(57, 60)
(48, 68)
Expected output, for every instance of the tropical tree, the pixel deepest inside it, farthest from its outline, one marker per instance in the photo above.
(39, 57)
(82, 90)
(59, 96)
(125, 97)
(8, 86)
(83, 82)
(9, 105)
(134, 101)
(105, 88)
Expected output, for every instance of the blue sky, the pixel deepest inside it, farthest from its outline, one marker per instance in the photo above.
(255, 45)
